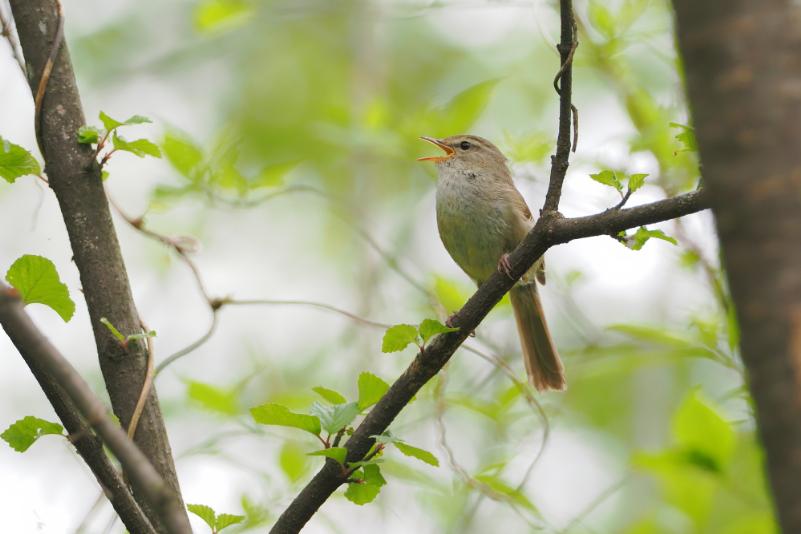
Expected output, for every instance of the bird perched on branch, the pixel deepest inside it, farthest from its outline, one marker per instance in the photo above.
(482, 217)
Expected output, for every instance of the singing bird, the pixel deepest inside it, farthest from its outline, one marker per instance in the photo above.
(481, 218)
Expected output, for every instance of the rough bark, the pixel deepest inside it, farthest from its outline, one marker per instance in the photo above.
(743, 75)
(75, 178)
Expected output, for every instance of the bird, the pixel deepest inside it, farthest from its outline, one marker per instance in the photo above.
(481, 218)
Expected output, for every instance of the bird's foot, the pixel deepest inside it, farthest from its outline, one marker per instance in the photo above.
(504, 267)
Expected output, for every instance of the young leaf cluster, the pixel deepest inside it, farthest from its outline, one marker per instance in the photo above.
(214, 521)
(610, 178)
(125, 339)
(95, 135)
(364, 476)
(400, 336)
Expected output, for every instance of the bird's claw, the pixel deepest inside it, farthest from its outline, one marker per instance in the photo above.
(504, 267)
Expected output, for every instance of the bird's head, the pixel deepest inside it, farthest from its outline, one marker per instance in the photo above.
(468, 153)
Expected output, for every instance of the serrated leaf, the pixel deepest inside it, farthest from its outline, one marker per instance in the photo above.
(109, 123)
(636, 181)
(638, 240)
(182, 153)
(361, 494)
(337, 453)
(430, 327)
(330, 395)
(686, 137)
(206, 513)
(113, 329)
(24, 433)
(226, 520)
(15, 161)
(373, 476)
(371, 389)
(212, 398)
(275, 414)
(398, 338)
(90, 135)
(609, 178)
(37, 281)
(335, 418)
(420, 454)
(140, 147)
(137, 119)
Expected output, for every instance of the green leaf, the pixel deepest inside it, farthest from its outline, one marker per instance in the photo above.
(24, 433)
(602, 19)
(398, 338)
(465, 108)
(110, 123)
(335, 418)
(450, 293)
(699, 428)
(430, 327)
(386, 437)
(636, 181)
(104, 175)
(140, 147)
(182, 153)
(217, 16)
(686, 137)
(420, 454)
(142, 335)
(337, 453)
(275, 414)
(226, 520)
(643, 234)
(293, 461)
(501, 486)
(330, 395)
(608, 178)
(366, 462)
(373, 476)
(113, 329)
(273, 175)
(15, 161)
(371, 389)
(37, 281)
(361, 494)
(206, 513)
(137, 119)
(213, 398)
(90, 135)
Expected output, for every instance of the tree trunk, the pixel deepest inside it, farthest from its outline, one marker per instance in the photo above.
(743, 72)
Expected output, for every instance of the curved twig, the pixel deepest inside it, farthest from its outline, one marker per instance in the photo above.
(140, 404)
(183, 352)
(48, 68)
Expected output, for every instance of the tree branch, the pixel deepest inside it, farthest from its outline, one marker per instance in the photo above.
(548, 231)
(34, 346)
(74, 176)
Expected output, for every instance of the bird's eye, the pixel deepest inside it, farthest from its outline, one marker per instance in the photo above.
(465, 145)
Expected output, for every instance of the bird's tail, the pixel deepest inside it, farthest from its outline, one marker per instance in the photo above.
(544, 368)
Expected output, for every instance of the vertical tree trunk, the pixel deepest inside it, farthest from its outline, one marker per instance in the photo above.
(743, 71)
(75, 178)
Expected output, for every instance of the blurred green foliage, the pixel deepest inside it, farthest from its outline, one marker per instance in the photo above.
(325, 100)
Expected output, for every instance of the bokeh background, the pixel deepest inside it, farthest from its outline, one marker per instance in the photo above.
(290, 132)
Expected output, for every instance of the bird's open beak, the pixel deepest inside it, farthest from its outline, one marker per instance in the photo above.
(448, 151)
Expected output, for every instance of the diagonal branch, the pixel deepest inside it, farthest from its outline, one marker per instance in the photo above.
(35, 346)
(549, 231)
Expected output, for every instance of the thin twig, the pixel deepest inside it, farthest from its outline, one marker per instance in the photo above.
(48, 68)
(7, 32)
(140, 404)
(575, 126)
(183, 352)
(360, 320)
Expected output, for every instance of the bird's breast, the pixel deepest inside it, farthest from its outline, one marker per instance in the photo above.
(474, 224)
